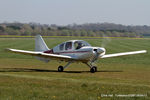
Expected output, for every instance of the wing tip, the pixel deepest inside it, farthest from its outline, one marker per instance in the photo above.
(7, 49)
(144, 51)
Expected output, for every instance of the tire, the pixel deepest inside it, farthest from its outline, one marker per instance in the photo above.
(92, 70)
(60, 69)
(95, 68)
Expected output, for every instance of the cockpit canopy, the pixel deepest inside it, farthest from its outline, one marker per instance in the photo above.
(71, 45)
(78, 44)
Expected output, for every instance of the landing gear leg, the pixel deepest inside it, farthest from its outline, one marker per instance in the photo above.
(61, 68)
(93, 69)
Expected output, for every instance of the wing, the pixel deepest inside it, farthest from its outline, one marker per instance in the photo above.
(124, 53)
(41, 54)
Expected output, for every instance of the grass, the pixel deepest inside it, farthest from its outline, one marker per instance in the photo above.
(24, 78)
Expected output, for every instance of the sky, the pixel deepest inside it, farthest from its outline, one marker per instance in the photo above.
(64, 12)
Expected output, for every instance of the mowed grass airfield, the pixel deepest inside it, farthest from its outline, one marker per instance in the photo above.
(25, 78)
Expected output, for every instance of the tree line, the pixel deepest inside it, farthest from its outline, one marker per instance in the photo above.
(88, 29)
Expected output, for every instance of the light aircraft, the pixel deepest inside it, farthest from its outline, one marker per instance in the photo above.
(70, 51)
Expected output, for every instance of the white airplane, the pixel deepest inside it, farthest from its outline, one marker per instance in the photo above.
(70, 51)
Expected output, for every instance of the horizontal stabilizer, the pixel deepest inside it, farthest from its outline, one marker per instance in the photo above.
(43, 59)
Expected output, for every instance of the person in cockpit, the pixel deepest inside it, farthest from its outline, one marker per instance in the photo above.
(79, 45)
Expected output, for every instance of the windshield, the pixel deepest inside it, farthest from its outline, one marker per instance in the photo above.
(79, 44)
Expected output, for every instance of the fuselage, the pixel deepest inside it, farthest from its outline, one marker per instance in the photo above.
(78, 49)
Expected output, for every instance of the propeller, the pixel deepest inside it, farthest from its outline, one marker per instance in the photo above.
(105, 41)
(100, 51)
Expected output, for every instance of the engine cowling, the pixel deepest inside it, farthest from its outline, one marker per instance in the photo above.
(98, 51)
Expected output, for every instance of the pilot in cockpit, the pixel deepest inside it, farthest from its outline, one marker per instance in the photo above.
(79, 45)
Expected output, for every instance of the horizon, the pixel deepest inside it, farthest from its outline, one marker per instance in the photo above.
(67, 24)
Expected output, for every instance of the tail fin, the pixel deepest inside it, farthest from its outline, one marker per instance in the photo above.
(40, 45)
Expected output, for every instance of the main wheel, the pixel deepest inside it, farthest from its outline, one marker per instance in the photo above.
(92, 70)
(60, 69)
(95, 68)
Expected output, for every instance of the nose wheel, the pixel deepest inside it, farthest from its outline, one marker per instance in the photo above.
(60, 69)
(93, 69)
